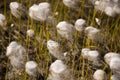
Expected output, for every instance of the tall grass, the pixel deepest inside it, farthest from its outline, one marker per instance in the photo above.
(38, 51)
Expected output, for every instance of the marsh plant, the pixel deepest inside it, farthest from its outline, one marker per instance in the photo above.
(59, 71)
(108, 56)
(115, 77)
(17, 55)
(93, 34)
(72, 3)
(2, 20)
(59, 39)
(30, 33)
(17, 9)
(111, 8)
(32, 69)
(65, 30)
(54, 49)
(80, 25)
(40, 12)
(99, 75)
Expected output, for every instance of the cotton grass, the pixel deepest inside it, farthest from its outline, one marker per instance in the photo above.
(17, 55)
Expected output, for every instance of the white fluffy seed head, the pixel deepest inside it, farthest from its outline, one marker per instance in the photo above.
(14, 5)
(65, 54)
(114, 64)
(16, 9)
(17, 55)
(17, 62)
(109, 11)
(56, 13)
(14, 49)
(99, 75)
(40, 12)
(65, 29)
(54, 48)
(93, 34)
(115, 77)
(100, 5)
(84, 52)
(12, 25)
(91, 30)
(13, 44)
(109, 56)
(110, 7)
(93, 55)
(71, 3)
(116, 8)
(65, 75)
(52, 44)
(58, 67)
(45, 8)
(11, 48)
(2, 20)
(97, 2)
(58, 70)
(31, 68)
(80, 25)
(97, 21)
(45, 5)
(30, 33)
(33, 12)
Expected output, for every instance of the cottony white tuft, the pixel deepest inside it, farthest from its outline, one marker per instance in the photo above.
(11, 49)
(80, 25)
(115, 77)
(40, 12)
(66, 30)
(31, 68)
(114, 65)
(110, 11)
(17, 55)
(110, 7)
(72, 3)
(93, 55)
(108, 57)
(17, 9)
(100, 5)
(58, 67)
(2, 20)
(84, 52)
(116, 8)
(59, 71)
(98, 21)
(99, 75)
(93, 34)
(54, 49)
